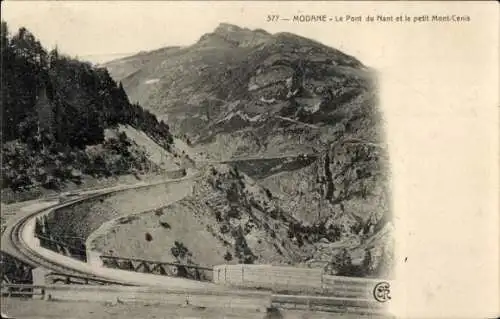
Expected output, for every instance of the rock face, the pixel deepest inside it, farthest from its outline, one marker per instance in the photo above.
(346, 179)
(309, 111)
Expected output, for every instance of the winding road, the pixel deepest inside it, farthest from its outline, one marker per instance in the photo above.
(18, 238)
(18, 241)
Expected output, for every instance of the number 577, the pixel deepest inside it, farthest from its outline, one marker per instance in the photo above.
(272, 17)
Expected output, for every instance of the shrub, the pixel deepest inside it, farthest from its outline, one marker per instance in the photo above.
(218, 216)
(242, 251)
(158, 212)
(165, 225)
(233, 213)
(179, 250)
(175, 251)
(269, 194)
(228, 256)
(233, 193)
(273, 313)
(274, 214)
(224, 229)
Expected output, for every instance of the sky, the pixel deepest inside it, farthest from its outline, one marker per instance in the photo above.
(104, 30)
(439, 95)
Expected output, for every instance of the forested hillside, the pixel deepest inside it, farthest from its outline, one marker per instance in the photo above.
(55, 113)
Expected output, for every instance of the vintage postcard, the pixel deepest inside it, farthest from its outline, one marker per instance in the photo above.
(220, 159)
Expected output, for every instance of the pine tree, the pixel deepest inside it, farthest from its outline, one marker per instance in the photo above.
(84, 101)
(228, 257)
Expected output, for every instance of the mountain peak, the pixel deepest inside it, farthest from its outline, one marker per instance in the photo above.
(228, 28)
(235, 36)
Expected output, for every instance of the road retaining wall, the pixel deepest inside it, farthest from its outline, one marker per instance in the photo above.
(295, 279)
(76, 222)
(349, 287)
(269, 277)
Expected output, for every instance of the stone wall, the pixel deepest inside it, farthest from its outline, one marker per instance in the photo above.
(294, 279)
(76, 222)
(269, 277)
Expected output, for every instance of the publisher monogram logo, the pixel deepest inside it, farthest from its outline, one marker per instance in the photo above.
(382, 291)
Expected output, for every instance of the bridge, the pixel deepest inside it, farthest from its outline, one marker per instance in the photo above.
(191, 271)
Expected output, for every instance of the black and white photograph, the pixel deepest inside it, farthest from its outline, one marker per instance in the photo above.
(196, 160)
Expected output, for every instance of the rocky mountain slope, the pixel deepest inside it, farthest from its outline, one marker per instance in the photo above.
(310, 111)
(262, 92)
(240, 93)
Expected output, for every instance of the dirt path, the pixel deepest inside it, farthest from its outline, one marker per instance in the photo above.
(39, 309)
